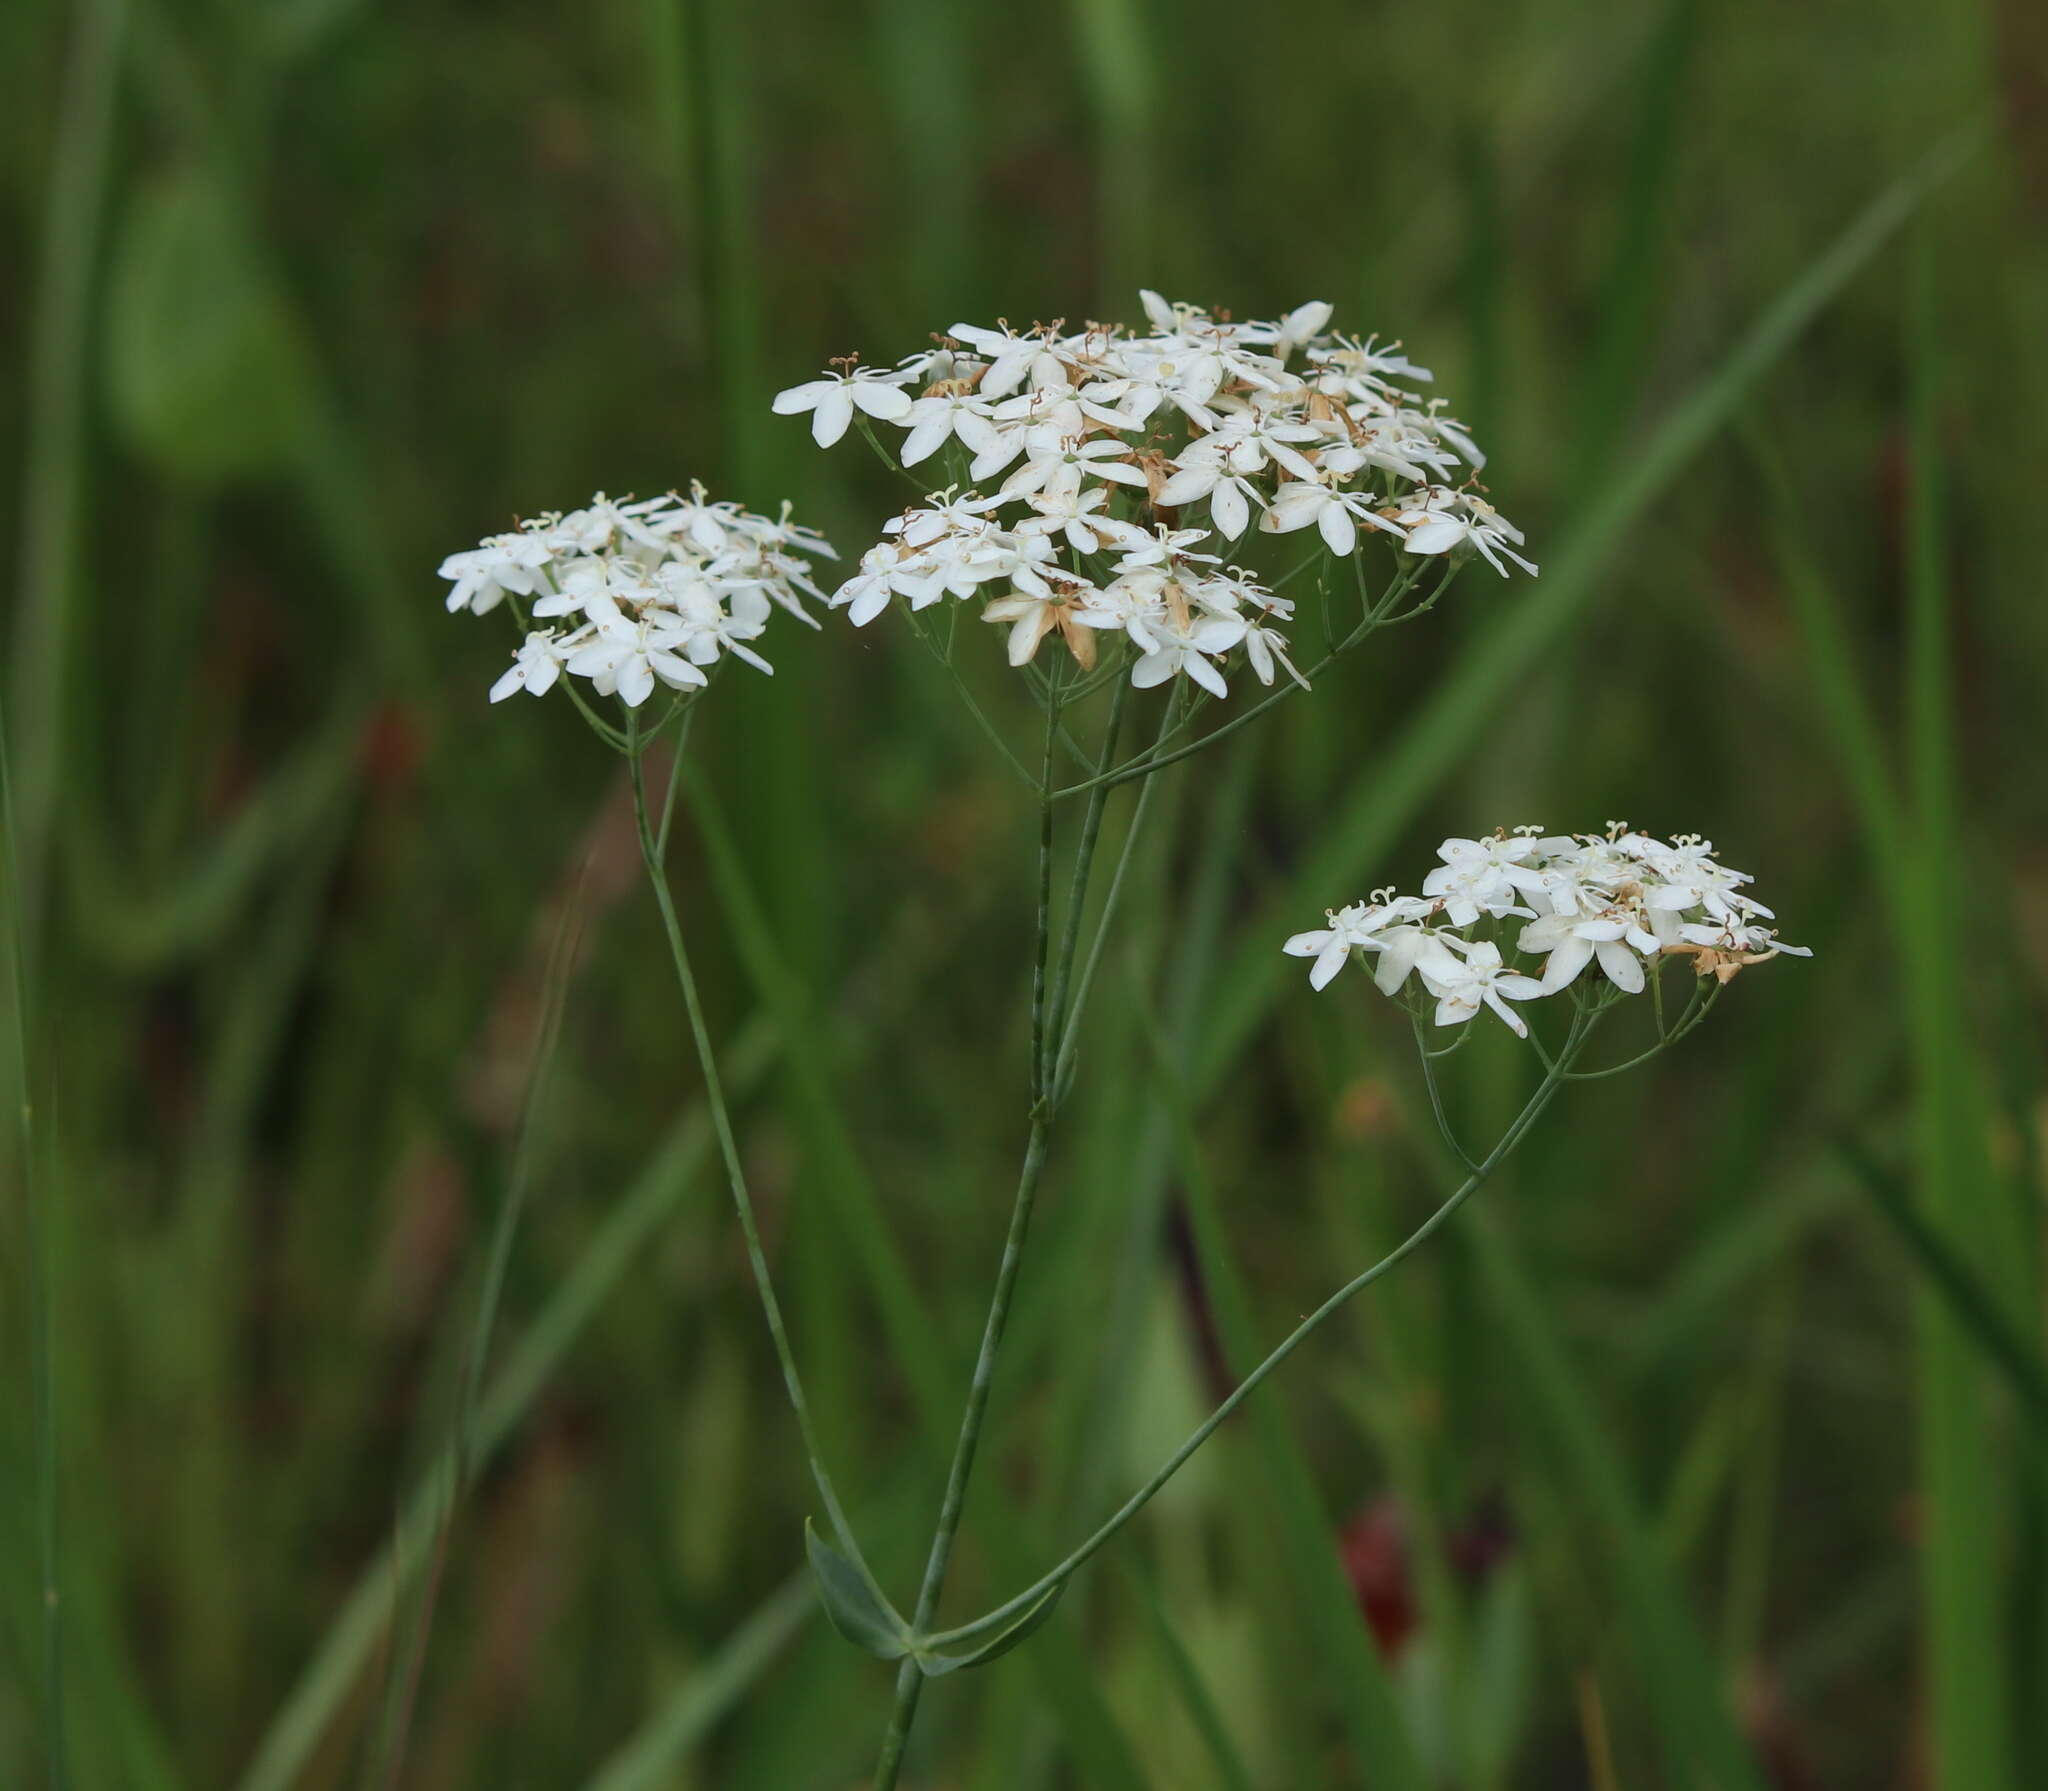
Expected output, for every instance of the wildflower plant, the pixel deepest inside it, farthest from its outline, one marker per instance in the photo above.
(1152, 516)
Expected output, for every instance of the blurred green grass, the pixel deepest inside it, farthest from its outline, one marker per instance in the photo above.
(1701, 1458)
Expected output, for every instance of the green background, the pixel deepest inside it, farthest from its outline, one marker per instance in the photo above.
(1705, 1450)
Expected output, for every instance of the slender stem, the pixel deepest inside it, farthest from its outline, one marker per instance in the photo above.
(1378, 617)
(910, 1676)
(1436, 1097)
(1285, 1348)
(1070, 1025)
(721, 1120)
(1084, 860)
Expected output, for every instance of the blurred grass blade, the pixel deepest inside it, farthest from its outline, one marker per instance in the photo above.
(1852, 729)
(294, 1733)
(460, 1452)
(2020, 1361)
(1182, 1668)
(1627, 306)
(1963, 1566)
(1676, 1674)
(651, 1758)
(55, 458)
(1385, 1752)
(1118, 50)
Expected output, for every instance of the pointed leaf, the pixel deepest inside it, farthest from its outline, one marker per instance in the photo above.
(935, 1665)
(856, 1608)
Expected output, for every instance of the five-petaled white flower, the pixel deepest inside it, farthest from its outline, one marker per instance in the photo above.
(833, 399)
(1479, 979)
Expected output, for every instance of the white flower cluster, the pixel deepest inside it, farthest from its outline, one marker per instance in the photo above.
(1609, 899)
(1104, 438)
(637, 594)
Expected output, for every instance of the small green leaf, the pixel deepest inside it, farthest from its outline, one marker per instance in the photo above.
(199, 376)
(852, 1601)
(935, 1664)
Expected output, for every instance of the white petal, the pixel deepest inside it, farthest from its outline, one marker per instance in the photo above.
(1437, 536)
(1295, 508)
(1339, 531)
(1570, 957)
(926, 439)
(1228, 509)
(1331, 959)
(1205, 674)
(886, 402)
(1624, 969)
(636, 681)
(803, 397)
(1154, 668)
(1189, 483)
(829, 420)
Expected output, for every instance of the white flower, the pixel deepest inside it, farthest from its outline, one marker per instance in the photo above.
(1108, 434)
(1076, 515)
(833, 399)
(1573, 941)
(1230, 495)
(1265, 648)
(1056, 465)
(1445, 519)
(939, 417)
(535, 667)
(1184, 646)
(1362, 926)
(1601, 915)
(652, 590)
(484, 573)
(1463, 985)
(1301, 325)
(1040, 605)
(1483, 877)
(1334, 511)
(628, 655)
(708, 619)
(1011, 357)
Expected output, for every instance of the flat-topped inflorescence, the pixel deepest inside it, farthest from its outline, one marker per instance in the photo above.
(1564, 904)
(637, 594)
(1079, 464)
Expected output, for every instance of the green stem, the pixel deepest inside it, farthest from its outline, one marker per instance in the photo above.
(910, 1676)
(1285, 1348)
(1048, 984)
(1091, 830)
(721, 1120)
(1378, 617)
(1069, 1033)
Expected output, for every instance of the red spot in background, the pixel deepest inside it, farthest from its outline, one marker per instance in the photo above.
(1374, 1548)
